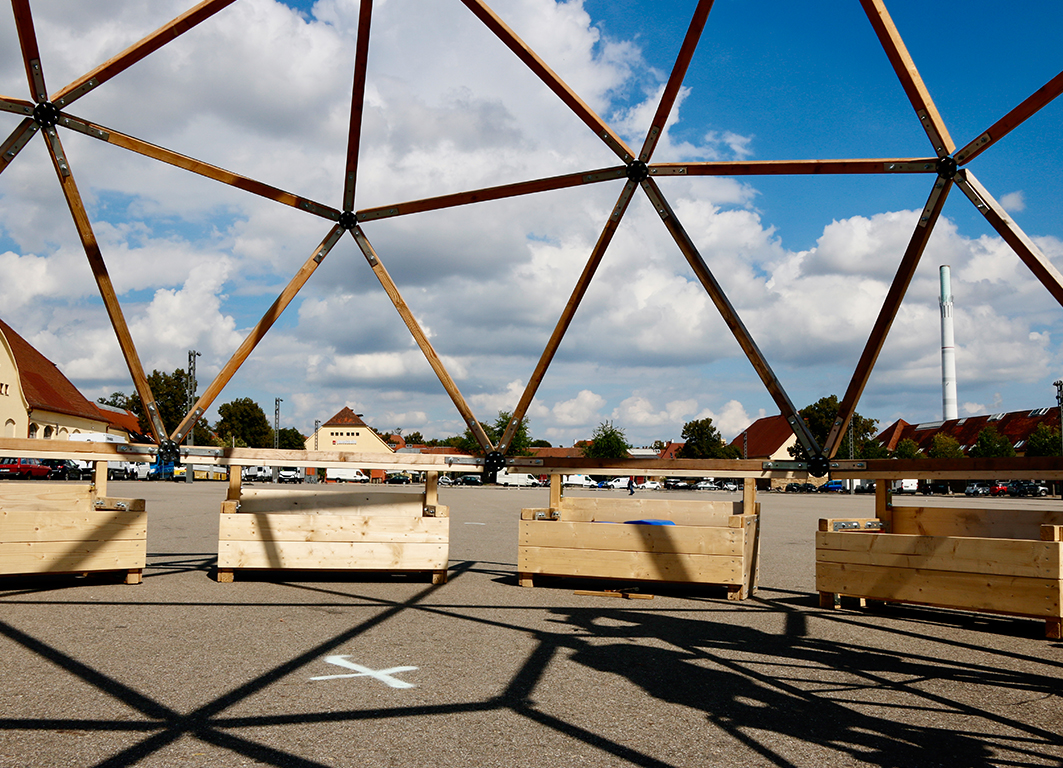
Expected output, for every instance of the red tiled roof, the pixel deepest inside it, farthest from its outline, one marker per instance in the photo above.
(345, 418)
(1016, 426)
(764, 437)
(120, 418)
(44, 386)
(671, 450)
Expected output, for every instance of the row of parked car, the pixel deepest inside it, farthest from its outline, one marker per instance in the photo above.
(1001, 488)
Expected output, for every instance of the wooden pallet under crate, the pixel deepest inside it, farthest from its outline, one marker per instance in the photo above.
(66, 528)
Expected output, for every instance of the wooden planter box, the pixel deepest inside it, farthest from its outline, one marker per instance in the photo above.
(1003, 561)
(712, 542)
(333, 529)
(66, 528)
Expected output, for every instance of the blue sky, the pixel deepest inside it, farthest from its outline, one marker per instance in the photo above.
(265, 91)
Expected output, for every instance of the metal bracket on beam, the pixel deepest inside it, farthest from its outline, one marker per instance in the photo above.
(851, 465)
(57, 148)
(671, 170)
(656, 201)
(853, 525)
(82, 127)
(17, 109)
(925, 167)
(785, 466)
(383, 213)
(616, 173)
(138, 449)
(614, 145)
(78, 92)
(320, 210)
(16, 146)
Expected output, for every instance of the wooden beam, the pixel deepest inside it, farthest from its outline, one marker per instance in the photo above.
(531, 60)
(730, 316)
(16, 141)
(207, 170)
(578, 292)
(103, 282)
(138, 51)
(675, 79)
(1012, 120)
(258, 332)
(354, 135)
(886, 315)
(31, 54)
(492, 193)
(797, 167)
(909, 76)
(1024, 247)
(422, 340)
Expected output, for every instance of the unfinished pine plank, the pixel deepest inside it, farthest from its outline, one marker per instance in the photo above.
(966, 591)
(313, 555)
(1014, 557)
(633, 538)
(702, 569)
(69, 557)
(45, 496)
(72, 526)
(750, 552)
(329, 501)
(980, 523)
(338, 528)
(680, 512)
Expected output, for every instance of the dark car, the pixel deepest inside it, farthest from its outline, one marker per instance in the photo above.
(1015, 488)
(23, 469)
(795, 488)
(63, 469)
(676, 483)
(397, 478)
(1031, 488)
(977, 489)
(470, 480)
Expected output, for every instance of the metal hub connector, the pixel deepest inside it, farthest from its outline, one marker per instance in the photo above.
(637, 171)
(169, 451)
(348, 220)
(818, 466)
(947, 167)
(46, 114)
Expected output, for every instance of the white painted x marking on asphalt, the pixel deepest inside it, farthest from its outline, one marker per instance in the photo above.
(383, 675)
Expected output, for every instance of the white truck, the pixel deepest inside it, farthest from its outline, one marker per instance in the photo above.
(116, 470)
(507, 478)
(905, 486)
(345, 475)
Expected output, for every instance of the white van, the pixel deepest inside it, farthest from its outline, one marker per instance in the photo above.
(905, 486)
(580, 481)
(507, 478)
(345, 475)
(116, 470)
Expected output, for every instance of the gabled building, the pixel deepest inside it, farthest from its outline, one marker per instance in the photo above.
(36, 399)
(347, 432)
(767, 439)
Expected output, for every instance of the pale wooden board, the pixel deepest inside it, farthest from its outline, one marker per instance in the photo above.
(981, 592)
(312, 555)
(633, 538)
(331, 501)
(982, 523)
(66, 557)
(680, 512)
(355, 528)
(72, 526)
(1014, 557)
(45, 496)
(700, 569)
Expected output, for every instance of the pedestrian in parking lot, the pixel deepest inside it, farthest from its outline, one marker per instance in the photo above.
(631, 486)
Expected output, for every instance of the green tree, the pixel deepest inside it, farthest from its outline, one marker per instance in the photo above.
(944, 446)
(703, 441)
(518, 446)
(906, 449)
(607, 442)
(541, 444)
(820, 416)
(991, 444)
(415, 438)
(291, 439)
(1043, 441)
(245, 421)
(171, 399)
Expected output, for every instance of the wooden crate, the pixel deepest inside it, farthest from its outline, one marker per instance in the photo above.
(67, 528)
(1003, 561)
(712, 542)
(329, 528)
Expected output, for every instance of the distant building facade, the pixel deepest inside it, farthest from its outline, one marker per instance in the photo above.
(1016, 426)
(346, 432)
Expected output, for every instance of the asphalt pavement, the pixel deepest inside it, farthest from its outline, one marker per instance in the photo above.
(326, 669)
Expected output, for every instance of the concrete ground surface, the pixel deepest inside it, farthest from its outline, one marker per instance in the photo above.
(184, 671)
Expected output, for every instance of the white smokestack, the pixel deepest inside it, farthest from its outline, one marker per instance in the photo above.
(948, 349)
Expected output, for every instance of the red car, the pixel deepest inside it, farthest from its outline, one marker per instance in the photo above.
(23, 469)
(998, 489)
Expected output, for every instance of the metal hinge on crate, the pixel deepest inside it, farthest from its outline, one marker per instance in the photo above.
(854, 525)
(548, 514)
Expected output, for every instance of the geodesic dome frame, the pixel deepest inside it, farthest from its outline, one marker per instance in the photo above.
(946, 167)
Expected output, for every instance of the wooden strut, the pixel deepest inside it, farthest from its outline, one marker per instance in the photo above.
(886, 315)
(361, 64)
(16, 141)
(798, 167)
(1012, 234)
(1012, 120)
(138, 51)
(31, 54)
(531, 60)
(730, 317)
(578, 292)
(103, 282)
(258, 332)
(909, 76)
(675, 79)
(422, 340)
